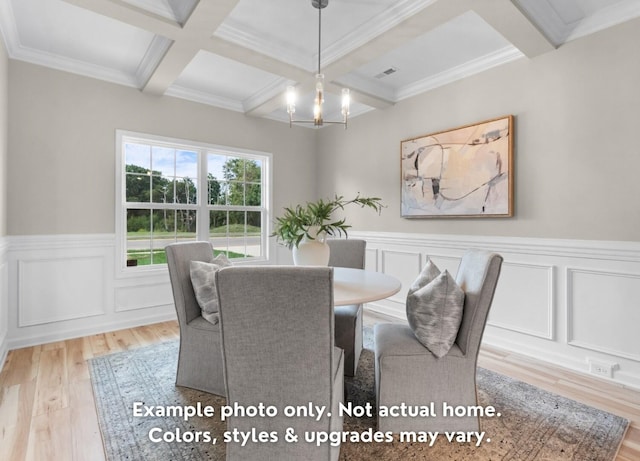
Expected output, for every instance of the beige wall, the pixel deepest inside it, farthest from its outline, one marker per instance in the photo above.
(4, 92)
(577, 154)
(62, 147)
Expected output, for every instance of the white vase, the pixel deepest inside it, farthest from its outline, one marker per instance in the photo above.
(312, 252)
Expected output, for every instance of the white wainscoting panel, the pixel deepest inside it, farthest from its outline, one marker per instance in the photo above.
(371, 259)
(524, 299)
(604, 312)
(52, 290)
(404, 265)
(4, 302)
(143, 296)
(562, 301)
(442, 262)
(65, 286)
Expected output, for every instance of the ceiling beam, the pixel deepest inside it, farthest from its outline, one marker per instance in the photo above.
(505, 17)
(199, 27)
(255, 59)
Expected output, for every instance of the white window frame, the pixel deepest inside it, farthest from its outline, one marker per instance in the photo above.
(202, 208)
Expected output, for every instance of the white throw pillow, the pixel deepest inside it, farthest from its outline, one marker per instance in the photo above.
(434, 311)
(203, 280)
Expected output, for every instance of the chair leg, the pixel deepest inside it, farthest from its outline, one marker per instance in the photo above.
(348, 335)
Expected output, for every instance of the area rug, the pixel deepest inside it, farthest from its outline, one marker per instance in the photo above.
(534, 424)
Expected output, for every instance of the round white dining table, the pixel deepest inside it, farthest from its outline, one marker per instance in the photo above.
(358, 286)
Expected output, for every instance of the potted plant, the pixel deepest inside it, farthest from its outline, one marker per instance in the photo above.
(304, 228)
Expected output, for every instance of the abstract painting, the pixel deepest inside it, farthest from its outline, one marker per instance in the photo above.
(463, 172)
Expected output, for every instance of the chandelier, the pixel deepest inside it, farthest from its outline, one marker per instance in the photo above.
(318, 119)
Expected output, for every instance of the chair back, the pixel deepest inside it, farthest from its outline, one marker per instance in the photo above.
(179, 257)
(347, 253)
(478, 276)
(277, 329)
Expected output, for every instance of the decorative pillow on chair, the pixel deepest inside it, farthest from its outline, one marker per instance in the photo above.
(434, 311)
(429, 272)
(204, 286)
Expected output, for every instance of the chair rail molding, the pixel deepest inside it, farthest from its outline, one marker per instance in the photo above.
(559, 300)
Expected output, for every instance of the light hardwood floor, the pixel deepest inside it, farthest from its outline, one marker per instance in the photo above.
(47, 409)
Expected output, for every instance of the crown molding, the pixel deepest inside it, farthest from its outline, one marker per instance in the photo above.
(608, 17)
(237, 33)
(366, 32)
(268, 92)
(8, 29)
(542, 13)
(202, 97)
(75, 66)
(157, 49)
(499, 57)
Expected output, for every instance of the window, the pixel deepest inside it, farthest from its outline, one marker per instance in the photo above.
(173, 191)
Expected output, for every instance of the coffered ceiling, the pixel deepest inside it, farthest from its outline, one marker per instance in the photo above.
(241, 54)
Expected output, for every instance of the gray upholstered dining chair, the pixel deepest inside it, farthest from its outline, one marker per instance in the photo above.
(200, 357)
(406, 372)
(348, 253)
(277, 333)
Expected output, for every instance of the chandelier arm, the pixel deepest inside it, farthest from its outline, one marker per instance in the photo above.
(332, 122)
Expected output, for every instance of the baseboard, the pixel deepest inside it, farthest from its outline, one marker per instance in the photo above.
(374, 313)
(4, 351)
(71, 333)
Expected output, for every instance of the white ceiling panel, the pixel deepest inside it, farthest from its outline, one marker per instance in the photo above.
(455, 43)
(241, 54)
(55, 31)
(224, 78)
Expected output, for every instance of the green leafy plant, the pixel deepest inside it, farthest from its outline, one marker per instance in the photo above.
(296, 222)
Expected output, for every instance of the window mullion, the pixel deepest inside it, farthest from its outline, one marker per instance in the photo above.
(202, 214)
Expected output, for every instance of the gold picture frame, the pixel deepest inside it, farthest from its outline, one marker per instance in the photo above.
(462, 172)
